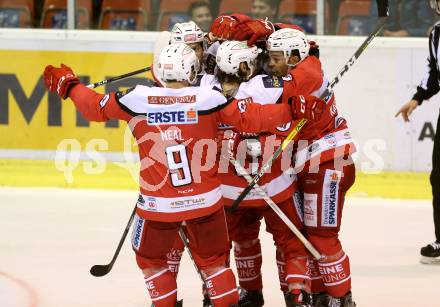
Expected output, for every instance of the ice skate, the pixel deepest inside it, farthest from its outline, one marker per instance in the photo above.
(207, 301)
(251, 298)
(345, 301)
(298, 300)
(430, 253)
(320, 299)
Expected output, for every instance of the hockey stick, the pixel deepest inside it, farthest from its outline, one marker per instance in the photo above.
(113, 79)
(99, 270)
(383, 13)
(162, 40)
(241, 170)
(268, 164)
(186, 243)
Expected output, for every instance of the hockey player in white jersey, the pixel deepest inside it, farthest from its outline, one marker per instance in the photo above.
(236, 63)
(174, 128)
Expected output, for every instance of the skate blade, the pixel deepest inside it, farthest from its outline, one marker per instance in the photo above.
(430, 260)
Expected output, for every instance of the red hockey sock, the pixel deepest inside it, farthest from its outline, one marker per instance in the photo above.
(317, 282)
(222, 288)
(297, 275)
(248, 261)
(281, 264)
(336, 275)
(162, 287)
(173, 258)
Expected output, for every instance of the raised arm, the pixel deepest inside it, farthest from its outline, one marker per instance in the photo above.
(93, 106)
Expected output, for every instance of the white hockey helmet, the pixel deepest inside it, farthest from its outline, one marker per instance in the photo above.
(178, 62)
(231, 53)
(186, 32)
(288, 40)
(435, 5)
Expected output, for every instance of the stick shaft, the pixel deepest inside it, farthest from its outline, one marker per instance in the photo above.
(277, 210)
(124, 235)
(113, 79)
(101, 270)
(268, 164)
(185, 242)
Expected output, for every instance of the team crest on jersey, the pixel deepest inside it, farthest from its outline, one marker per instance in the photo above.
(284, 127)
(242, 104)
(166, 116)
(273, 82)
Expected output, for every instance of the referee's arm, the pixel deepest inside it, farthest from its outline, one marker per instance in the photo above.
(430, 82)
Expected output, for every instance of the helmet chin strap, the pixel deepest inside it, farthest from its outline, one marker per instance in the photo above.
(194, 69)
(287, 56)
(193, 80)
(251, 73)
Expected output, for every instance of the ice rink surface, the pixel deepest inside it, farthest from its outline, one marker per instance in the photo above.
(49, 239)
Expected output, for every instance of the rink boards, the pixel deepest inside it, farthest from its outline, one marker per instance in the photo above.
(37, 126)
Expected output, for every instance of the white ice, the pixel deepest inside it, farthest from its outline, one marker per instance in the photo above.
(49, 239)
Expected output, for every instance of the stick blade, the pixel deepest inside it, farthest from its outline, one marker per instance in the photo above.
(383, 8)
(100, 270)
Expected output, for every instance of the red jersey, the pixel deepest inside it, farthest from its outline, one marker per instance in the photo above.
(327, 138)
(175, 131)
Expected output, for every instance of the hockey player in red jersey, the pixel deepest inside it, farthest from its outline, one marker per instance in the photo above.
(324, 165)
(236, 64)
(175, 129)
(326, 169)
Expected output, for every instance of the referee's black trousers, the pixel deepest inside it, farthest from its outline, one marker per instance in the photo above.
(435, 180)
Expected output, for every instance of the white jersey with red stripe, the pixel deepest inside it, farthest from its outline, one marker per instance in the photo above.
(175, 130)
(279, 185)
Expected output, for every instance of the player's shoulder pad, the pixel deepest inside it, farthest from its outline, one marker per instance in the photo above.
(211, 99)
(133, 99)
(207, 79)
(273, 82)
(121, 94)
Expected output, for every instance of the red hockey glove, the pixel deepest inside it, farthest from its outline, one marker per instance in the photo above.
(224, 25)
(253, 30)
(60, 80)
(309, 107)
